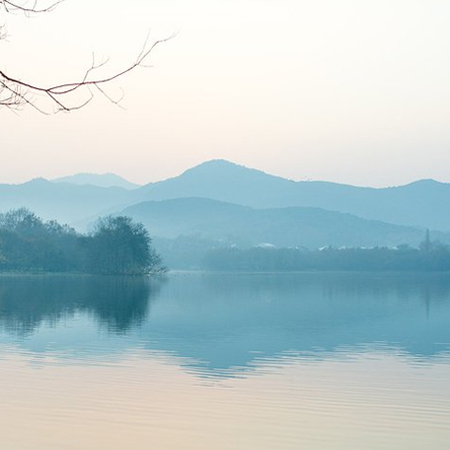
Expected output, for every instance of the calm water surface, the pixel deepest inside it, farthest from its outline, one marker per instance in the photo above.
(215, 362)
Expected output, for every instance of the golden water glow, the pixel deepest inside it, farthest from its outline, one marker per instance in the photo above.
(372, 399)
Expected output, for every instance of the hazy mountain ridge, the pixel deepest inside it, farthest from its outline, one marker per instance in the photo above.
(63, 201)
(282, 227)
(99, 180)
(421, 204)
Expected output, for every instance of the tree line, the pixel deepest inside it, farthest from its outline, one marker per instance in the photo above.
(430, 256)
(116, 246)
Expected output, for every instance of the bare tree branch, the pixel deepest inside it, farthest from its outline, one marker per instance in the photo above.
(15, 93)
(27, 7)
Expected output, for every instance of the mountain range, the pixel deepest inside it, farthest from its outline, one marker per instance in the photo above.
(281, 227)
(222, 200)
(421, 204)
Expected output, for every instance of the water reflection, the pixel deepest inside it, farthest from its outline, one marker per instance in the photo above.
(316, 361)
(224, 325)
(119, 304)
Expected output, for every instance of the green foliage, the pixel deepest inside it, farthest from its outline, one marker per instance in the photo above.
(117, 246)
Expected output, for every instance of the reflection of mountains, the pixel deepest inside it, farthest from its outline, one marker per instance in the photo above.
(225, 322)
(229, 321)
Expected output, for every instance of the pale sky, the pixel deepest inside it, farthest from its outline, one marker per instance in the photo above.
(352, 91)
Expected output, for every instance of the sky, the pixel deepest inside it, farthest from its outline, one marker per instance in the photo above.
(351, 91)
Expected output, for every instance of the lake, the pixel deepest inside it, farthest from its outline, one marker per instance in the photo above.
(225, 361)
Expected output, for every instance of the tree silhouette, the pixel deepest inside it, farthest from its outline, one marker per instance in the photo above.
(16, 92)
(117, 246)
(121, 246)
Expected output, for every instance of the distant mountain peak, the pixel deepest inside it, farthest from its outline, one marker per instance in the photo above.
(37, 181)
(424, 181)
(96, 179)
(216, 164)
(225, 168)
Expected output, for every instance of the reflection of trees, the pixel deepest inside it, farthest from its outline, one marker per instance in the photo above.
(370, 286)
(118, 303)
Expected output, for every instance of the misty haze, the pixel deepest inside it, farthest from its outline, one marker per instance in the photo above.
(229, 233)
